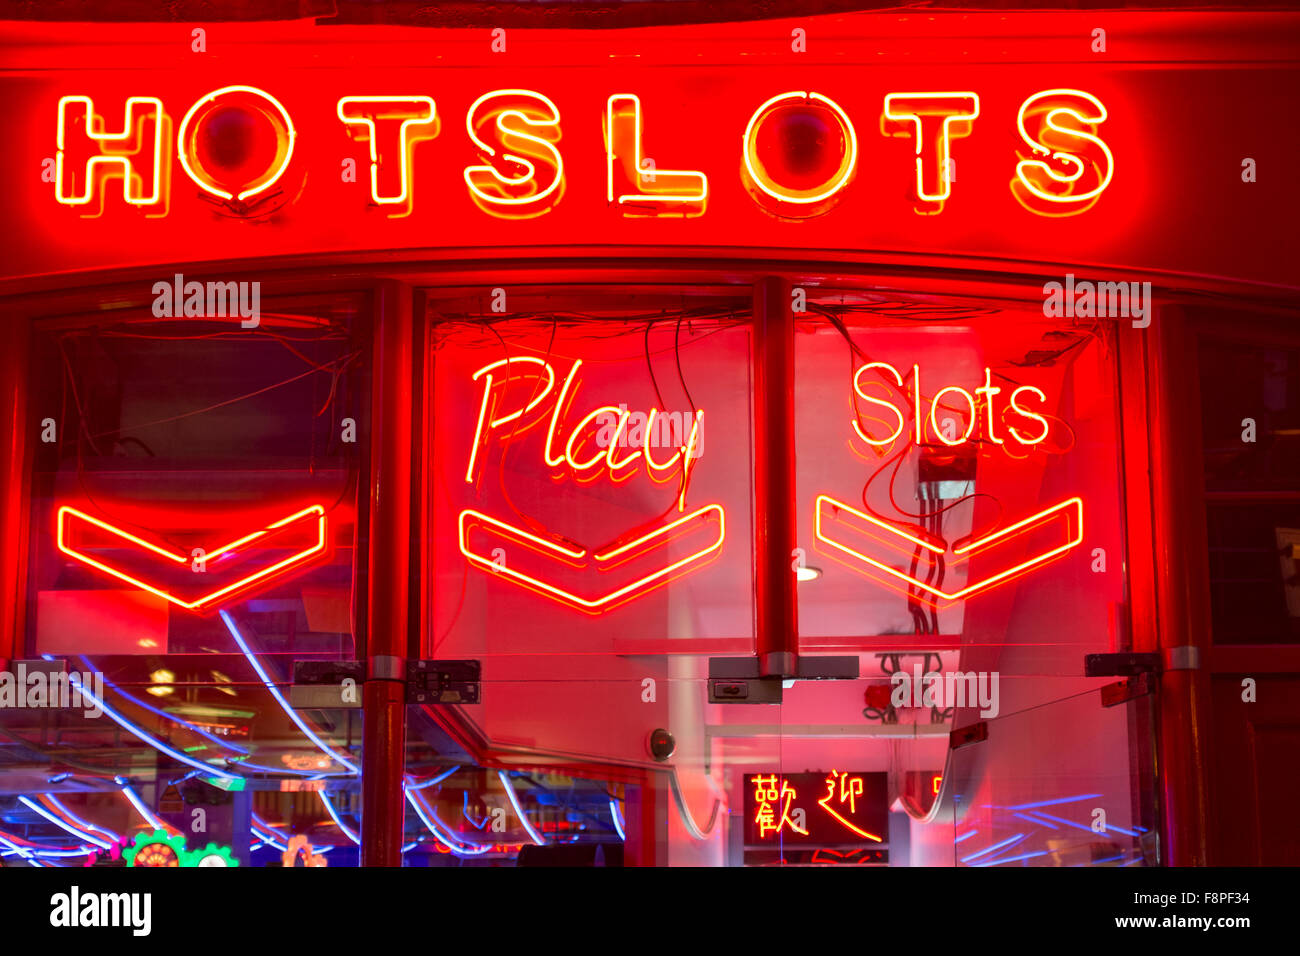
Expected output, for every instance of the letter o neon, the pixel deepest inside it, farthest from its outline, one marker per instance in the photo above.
(269, 178)
(806, 197)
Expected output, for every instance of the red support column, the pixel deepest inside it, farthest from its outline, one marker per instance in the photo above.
(15, 345)
(1180, 546)
(389, 576)
(775, 517)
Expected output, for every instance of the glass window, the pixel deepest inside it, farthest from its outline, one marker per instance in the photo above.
(193, 535)
(1251, 444)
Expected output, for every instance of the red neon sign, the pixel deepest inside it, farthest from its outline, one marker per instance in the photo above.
(138, 147)
(970, 409)
(73, 524)
(1068, 165)
(852, 810)
(1068, 513)
(771, 796)
(933, 120)
(254, 103)
(520, 395)
(707, 523)
(519, 170)
(517, 133)
(850, 788)
(392, 125)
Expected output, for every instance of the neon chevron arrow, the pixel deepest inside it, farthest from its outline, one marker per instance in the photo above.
(70, 519)
(1069, 511)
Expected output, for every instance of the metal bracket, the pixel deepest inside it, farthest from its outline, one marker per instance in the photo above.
(751, 690)
(1139, 685)
(1120, 665)
(443, 682)
(320, 685)
(970, 734)
(736, 680)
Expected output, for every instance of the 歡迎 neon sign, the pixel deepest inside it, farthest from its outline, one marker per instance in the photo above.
(852, 808)
(519, 170)
(769, 796)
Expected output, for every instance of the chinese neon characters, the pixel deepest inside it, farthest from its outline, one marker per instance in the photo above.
(775, 802)
(843, 814)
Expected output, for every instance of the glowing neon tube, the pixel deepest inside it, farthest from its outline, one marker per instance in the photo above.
(279, 698)
(84, 824)
(519, 811)
(25, 854)
(433, 824)
(430, 782)
(334, 815)
(1010, 841)
(144, 705)
(136, 802)
(62, 824)
(147, 737)
(618, 821)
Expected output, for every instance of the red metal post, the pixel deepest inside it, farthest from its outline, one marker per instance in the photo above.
(390, 492)
(1179, 525)
(775, 517)
(14, 363)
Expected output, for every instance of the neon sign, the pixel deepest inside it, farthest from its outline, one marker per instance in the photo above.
(301, 533)
(204, 110)
(124, 152)
(605, 427)
(933, 120)
(852, 808)
(787, 164)
(837, 524)
(1068, 166)
(768, 795)
(371, 119)
(522, 394)
(870, 543)
(647, 192)
(850, 788)
(1017, 405)
(523, 174)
